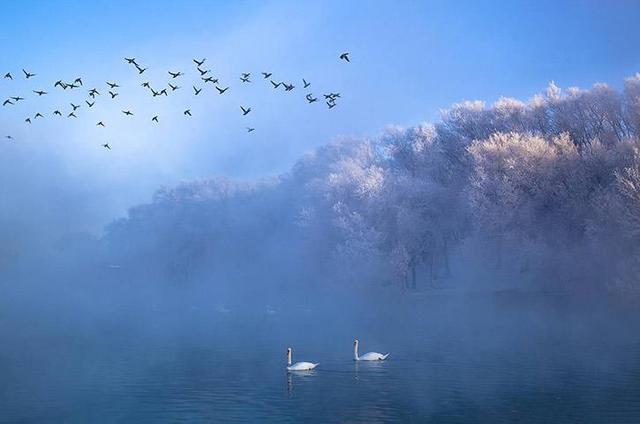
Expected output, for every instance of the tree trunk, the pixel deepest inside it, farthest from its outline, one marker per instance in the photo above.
(447, 270)
(413, 277)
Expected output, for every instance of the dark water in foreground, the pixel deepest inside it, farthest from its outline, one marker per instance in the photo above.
(490, 358)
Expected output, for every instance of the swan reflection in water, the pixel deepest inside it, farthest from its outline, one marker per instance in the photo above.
(300, 377)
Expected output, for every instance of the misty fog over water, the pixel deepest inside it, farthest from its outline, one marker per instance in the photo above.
(493, 253)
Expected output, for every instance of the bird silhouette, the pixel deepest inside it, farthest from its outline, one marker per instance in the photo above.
(127, 112)
(113, 95)
(140, 70)
(131, 61)
(94, 92)
(17, 99)
(155, 118)
(245, 111)
(210, 79)
(199, 63)
(221, 90)
(345, 56)
(311, 99)
(164, 91)
(112, 85)
(145, 85)
(28, 75)
(57, 112)
(8, 76)
(175, 74)
(39, 92)
(71, 115)
(331, 104)
(306, 84)
(7, 102)
(275, 85)
(60, 84)
(245, 79)
(75, 107)
(196, 91)
(106, 146)
(78, 81)
(187, 112)
(203, 72)
(266, 75)
(38, 115)
(249, 129)
(8, 137)
(100, 124)
(288, 87)
(173, 87)
(89, 103)
(28, 121)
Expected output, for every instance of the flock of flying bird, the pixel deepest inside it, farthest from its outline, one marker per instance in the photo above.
(206, 76)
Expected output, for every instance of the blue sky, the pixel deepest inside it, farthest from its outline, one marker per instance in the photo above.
(409, 60)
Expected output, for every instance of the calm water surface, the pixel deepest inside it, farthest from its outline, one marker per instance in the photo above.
(491, 358)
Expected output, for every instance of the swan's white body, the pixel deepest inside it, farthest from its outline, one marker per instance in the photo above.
(370, 356)
(298, 366)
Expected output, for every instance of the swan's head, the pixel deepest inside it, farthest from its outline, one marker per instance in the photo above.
(355, 342)
(288, 351)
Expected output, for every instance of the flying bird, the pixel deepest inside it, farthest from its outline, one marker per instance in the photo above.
(57, 112)
(203, 72)
(89, 103)
(187, 112)
(75, 107)
(245, 79)
(345, 56)
(311, 99)
(7, 102)
(196, 91)
(275, 85)
(266, 75)
(8, 76)
(17, 99)
(39, 92)
(173, 87)
(175, 74)
(199, 63)
(145, 85)
(155, 118)
(221, 90)
(106, 146)
(28, 75)
(140, 70)
(249, 129)
(71, 115)
(38, 115)
(210, 79)
(306, 84)
(288, 87)
(28, 121)
(245, 111)
(94, 92)
(78, 81)
(113, 95)
(8, 137)
(331, 104)
(60, 84)
(127, 112)
(131, 61)
(100, 124)
(112, 85)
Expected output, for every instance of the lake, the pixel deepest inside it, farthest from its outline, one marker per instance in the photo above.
(455, 358)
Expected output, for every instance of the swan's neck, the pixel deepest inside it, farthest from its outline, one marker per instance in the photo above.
(355, 351)
(289, 358)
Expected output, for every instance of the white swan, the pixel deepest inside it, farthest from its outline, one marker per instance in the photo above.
(298, 366)
(371, 356)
